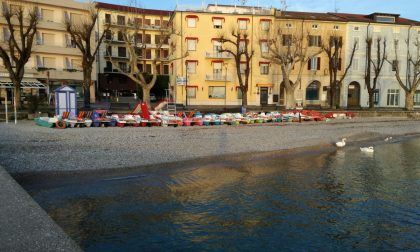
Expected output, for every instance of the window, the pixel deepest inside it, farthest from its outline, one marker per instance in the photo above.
(417, 98)
(218, 23)
(120, 36)
(385, 19)
(166, 69)
(315, 41)
(336, 63)
(157, 22)
(192, 44)
(289, 25)
(165, 53)
(217, 92)
(191, 92)
(147, 39)
(312, 91)
(157, 39)
(120, 20)
(242, 67)
(393, 97)
(122, 52)
(122, 66)
(108, 35)
(107, 18)
(138, 38)
(264, 47)
(108, 67)
(315, 26)
(376, 96)
(265, 25)
(356, 41)
(239, 93)
(138, 22)
(355, 65)
(6, 34)
(147, 22)
(191, 67)
(264, 68)
(217, 71)
(217, 46)
(148, 53)
(47, 15)
(314, 63)
(243, 24)
(108, 51)
(165, 23)
(48, 39)
(192, 22)
(394, 65)
(397, 44)
(356, 28)
(242, 46)
(336, 41)
(148, 68)
(287, 40)
(336, 27)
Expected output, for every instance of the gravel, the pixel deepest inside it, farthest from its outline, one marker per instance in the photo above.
(26, 147)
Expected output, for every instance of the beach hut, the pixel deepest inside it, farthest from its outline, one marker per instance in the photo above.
(65, 101)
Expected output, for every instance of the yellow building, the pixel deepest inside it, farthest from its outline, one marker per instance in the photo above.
(55, 60)
(211, 76)
(148, 25)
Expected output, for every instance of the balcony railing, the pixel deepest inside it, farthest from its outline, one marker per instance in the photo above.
(218, 77)
(218, 55)
(120, 56)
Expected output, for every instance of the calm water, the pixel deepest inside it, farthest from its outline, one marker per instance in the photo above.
(345, 200)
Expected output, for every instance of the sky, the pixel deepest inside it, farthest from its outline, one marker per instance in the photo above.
(406, 8)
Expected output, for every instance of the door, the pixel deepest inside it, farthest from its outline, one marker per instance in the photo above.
(353, 95)
(263, 96)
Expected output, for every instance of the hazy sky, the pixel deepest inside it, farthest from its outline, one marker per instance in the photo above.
(407, 8)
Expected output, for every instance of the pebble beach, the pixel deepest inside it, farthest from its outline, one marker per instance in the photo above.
(27, 148)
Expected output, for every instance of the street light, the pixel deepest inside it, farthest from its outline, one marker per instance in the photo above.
(186, 84)
(225, 65)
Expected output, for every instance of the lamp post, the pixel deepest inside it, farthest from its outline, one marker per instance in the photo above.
(225, 65)
(186, 84)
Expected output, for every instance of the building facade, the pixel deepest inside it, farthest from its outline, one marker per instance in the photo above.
(55, 60)
(148, 25)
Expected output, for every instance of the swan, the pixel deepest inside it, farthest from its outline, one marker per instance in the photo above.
(341, 143)
(388, 138)
(367, 149)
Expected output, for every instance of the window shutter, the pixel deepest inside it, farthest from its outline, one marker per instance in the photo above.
(6, 34)
(339, 64)
(309, 64)
(39, 61)
(38, 38)
(5, 7)
(319, 41)
(318, 63)
(68, 63)
(66, 16)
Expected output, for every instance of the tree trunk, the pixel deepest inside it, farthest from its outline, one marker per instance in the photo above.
(87, 79)
(244, 98)
(371, 104)
(146, 96)
(16, 94)
(409, 100)
(290, 98)
(332, 96)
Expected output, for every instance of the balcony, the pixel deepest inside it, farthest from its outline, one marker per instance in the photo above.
(116, 56)
(218, 77)
(218, 55)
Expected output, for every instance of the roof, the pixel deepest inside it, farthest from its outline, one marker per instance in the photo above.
(370, 18)
(309, 16)
(132, 9)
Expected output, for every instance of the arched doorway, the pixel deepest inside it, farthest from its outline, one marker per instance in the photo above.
(353, 94)
(282, 98)
(312, 91)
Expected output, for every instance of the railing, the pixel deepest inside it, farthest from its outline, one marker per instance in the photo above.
(218, 77)
(219, 55)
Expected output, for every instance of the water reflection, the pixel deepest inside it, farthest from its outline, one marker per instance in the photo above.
(342, 200)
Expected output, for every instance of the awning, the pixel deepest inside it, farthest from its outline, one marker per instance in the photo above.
(26, 83)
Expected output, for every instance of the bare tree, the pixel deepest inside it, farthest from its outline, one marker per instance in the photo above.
(377, 65)
(82, 30)
(16, 50)
(290, 50)
(333, 49)
(237, 44)
(136, 47)
(412, 71)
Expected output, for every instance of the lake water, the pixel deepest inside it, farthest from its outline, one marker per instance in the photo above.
(343, 200)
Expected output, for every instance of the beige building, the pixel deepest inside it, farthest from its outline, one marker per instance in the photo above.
(55, 60)
(148, 25)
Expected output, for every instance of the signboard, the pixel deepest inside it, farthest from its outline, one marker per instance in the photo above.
(181, 81)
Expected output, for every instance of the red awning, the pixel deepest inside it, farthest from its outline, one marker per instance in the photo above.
(193, 86)
(194, 61)
(191, 38)
(264, 62)
(217, 61)
(191, 16)
(243, 19)
(265, 20)
(265, 85)
(222, 18)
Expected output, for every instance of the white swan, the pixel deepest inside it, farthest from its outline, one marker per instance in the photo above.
(367, 149)
(388, 138)
(341, 143)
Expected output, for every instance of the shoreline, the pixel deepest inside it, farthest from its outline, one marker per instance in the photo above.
(28, 148)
